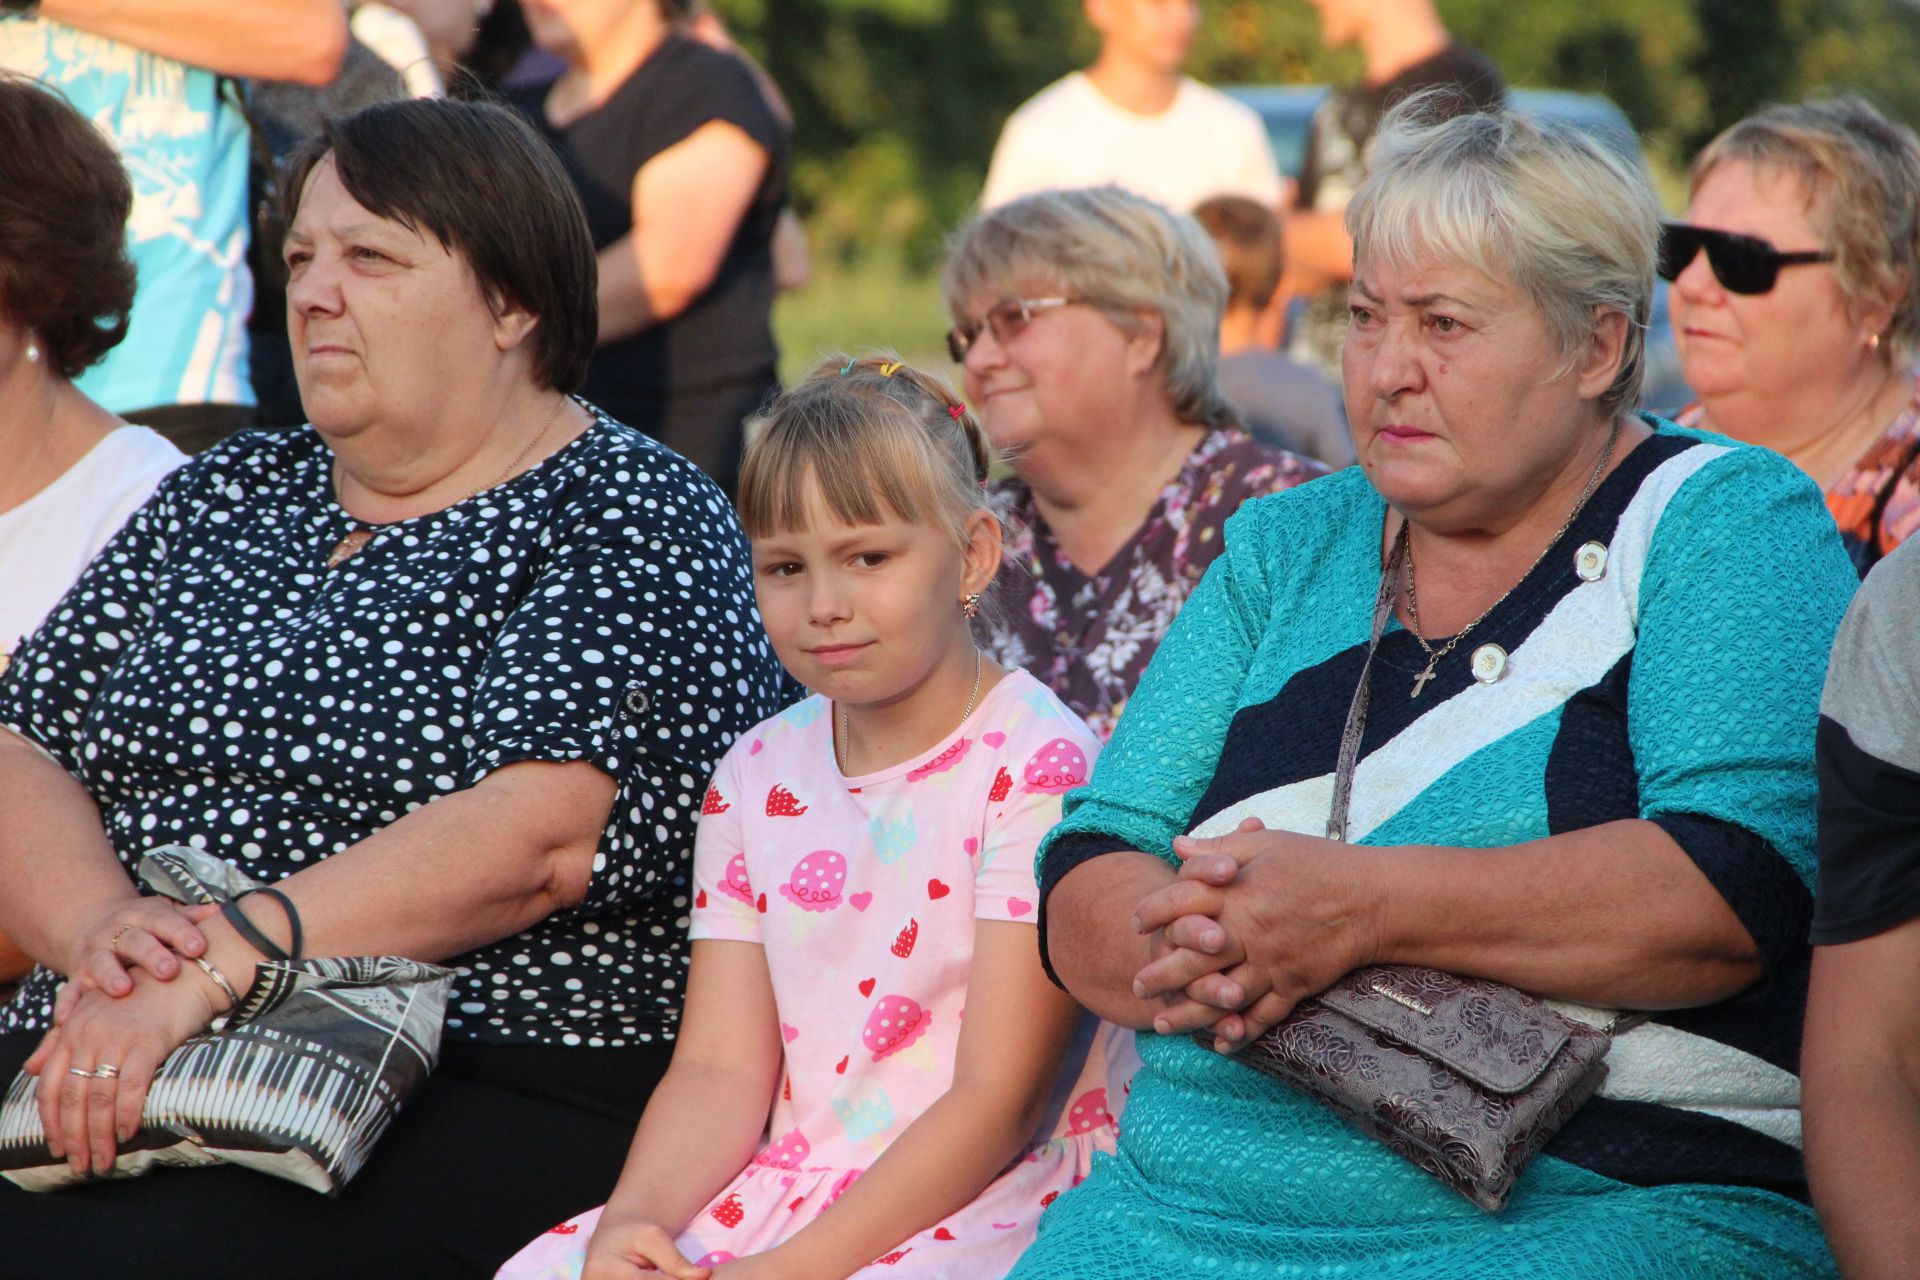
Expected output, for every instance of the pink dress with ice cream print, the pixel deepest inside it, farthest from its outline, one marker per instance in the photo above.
(864, 892)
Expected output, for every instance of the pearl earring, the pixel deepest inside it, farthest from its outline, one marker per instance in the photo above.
(33, 352)
(1873, 342)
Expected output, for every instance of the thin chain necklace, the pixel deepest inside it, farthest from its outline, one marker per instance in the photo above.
(358, 537)
(840, 747)
(1413, 599)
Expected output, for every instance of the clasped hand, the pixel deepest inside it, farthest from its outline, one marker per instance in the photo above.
(88, 1115)
(121, 1012)
(1256, 922)
(150, 934)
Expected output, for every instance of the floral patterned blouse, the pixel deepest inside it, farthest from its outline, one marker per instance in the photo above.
(1089, 637)
(1877, 503)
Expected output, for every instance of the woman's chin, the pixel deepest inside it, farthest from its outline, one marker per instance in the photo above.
(1411, 484)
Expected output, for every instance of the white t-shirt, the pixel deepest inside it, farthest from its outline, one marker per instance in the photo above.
(1071, 135)
(47, 540)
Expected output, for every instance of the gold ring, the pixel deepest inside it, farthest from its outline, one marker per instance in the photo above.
(114, 941)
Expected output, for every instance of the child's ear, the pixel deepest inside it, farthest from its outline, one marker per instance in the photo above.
(982, 552)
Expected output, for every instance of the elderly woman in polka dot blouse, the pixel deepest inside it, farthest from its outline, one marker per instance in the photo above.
(449, 668)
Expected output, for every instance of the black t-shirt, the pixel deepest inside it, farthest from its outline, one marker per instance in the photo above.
(1868, 750)
(1339, 155)
(1340, 138)
(726, 335)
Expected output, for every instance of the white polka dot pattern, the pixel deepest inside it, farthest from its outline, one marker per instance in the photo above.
(212, 684)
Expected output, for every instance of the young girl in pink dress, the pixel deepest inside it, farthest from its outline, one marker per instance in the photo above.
(873, 1077)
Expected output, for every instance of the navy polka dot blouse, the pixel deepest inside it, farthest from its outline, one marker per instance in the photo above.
(212, 683)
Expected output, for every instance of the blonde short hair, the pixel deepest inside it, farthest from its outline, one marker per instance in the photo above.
(1535, 203)
(1119, 251)
(878, 437)
(1861, 173)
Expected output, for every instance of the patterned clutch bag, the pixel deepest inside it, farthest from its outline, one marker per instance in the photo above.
(307, 1074)
(1466, 1078)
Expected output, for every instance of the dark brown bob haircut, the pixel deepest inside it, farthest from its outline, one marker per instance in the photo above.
(64, 199)
(477, 178)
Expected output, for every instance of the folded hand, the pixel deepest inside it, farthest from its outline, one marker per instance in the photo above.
(87, 1114)
(149, 934)
(1257, 921)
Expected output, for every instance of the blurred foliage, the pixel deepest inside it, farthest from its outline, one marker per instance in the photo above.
(898, 102)
(873, 302)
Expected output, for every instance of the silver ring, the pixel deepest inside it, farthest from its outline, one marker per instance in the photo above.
(77, 1071)
(105, 1072)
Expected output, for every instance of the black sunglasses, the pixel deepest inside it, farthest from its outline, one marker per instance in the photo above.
(1742, 264)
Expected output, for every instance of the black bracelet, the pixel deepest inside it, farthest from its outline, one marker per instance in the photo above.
(253, 937)
(296, 945)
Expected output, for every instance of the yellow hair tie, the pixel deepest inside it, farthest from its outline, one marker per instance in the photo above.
(888, 370)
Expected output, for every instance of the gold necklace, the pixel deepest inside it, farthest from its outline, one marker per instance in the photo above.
(840, 747)
(360, 535)
(1413, 598)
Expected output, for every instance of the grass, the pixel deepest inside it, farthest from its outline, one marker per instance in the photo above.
(869, 305)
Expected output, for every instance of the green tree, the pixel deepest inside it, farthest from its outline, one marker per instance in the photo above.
(898, 102)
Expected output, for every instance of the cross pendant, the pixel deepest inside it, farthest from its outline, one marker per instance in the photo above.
(1420, 681)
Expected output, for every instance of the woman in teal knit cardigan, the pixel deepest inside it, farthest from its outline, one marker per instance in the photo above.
(1587, 770)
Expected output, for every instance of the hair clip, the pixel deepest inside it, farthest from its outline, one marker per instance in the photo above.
(888, 370)
(847, 368)
(957, 410)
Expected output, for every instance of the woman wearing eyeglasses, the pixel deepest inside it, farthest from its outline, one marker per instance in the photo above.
(1796, 305)
(1087, 323)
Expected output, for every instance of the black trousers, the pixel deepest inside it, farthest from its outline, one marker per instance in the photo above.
(499, 1145)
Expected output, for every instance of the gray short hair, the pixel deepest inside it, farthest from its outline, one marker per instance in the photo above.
(1862, 173)
(1115, 249)
(1535, 203)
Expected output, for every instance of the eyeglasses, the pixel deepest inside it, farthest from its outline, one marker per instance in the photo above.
(1006, 318)
(1742, 264)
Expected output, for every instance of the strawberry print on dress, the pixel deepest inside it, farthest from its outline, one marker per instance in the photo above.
(876, 995)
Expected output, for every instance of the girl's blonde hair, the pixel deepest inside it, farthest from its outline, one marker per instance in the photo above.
(878, 437)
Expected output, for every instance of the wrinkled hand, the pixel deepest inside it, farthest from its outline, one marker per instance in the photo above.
(630, 1250)
(1258, 921)
(86, 1117)
(136, 934)
(1199, 936)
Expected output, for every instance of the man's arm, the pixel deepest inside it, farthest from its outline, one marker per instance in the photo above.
(302, 40)
(1860, 1081)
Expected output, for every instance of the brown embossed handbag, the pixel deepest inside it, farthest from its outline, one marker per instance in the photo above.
(1465, 1077)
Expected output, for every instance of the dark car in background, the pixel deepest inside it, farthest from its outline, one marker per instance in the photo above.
(1287, 109)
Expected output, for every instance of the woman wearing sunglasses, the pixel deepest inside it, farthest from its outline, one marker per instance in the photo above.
(1087, 323)
(1796, 305)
